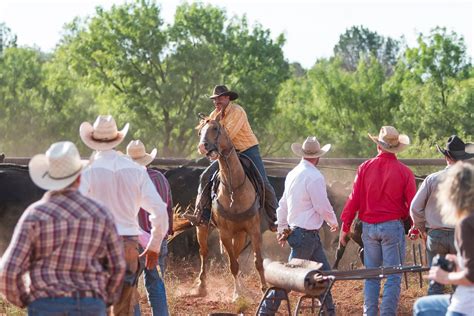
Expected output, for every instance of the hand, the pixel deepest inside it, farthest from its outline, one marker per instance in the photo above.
(439, 275)
(333, 227)
(454, 259)
(281, 238)
(413, 233)
(151, 258)
(343, 238)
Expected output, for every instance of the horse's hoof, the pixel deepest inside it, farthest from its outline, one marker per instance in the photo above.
(198, 291)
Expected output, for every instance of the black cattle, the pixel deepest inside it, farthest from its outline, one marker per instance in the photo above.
(17, 191)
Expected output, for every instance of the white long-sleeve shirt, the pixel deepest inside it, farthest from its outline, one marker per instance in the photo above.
(305, 202)
(123, 187)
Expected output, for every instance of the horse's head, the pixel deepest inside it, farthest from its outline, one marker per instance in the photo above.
(210, 132)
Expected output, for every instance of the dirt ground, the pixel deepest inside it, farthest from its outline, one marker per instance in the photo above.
(348, 295)
(180, 276)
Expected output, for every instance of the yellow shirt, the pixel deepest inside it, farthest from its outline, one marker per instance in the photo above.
(237, 126)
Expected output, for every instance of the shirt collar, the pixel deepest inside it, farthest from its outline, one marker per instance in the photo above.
(307, 164)
(106, 153)
(387, 155)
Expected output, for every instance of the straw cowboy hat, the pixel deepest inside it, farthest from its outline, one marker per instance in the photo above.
(222, 90)
(103, 135)
(58, 167)
(456, 149)
(310, 148)
(136, 151)
(391, 140)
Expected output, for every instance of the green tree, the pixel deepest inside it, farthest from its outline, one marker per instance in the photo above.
(7, 38)
(160, 75)
(434, 84)
(359, 43)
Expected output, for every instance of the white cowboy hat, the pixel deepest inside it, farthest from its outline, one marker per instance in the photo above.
(58, 167)
(391, 140)
(310, 148)
(136, 151)
(103, 135)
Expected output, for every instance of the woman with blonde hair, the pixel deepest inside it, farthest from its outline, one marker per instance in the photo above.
(456, 199)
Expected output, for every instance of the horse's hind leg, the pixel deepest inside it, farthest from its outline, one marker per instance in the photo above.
(256, 239)
(202, 233)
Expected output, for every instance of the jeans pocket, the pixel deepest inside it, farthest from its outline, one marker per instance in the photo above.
(296, 238)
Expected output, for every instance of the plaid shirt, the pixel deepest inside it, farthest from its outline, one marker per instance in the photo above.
(163, 187)
(67, 245)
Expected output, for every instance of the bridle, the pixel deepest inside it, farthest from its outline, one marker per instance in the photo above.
(224, 156)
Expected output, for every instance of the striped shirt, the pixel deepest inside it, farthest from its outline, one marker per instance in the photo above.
(64, 244)
(237, 126)
(163, 187)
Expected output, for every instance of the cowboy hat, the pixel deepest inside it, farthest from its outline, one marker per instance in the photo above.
(391, 140)
(222, 90)
(136, 151)
(58, 167)
(310, 148)
(103, 135)
(456, 149)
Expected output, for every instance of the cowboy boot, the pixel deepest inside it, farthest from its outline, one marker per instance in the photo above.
(271, 205)
(202, 211)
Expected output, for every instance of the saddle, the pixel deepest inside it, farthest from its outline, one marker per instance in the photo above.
(255, 178)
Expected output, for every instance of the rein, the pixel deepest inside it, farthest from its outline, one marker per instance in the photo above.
(225, 157)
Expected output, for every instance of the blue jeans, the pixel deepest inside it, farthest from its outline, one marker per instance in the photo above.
(384, 245)
(67, 306)
(304, 245)
(441, 242)
(433, 305)
(155, 287)
(254, 154)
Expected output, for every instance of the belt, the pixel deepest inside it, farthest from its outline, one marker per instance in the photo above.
(307, 230)
(84, 294)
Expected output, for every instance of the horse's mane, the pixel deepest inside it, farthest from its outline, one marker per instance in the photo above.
(203, 122)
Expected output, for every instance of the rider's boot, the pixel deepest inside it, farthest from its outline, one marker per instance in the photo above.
(202, 213)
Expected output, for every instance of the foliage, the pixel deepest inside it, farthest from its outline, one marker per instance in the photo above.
(359, 43)
(125, 61)
(7, 38)
(161, 73)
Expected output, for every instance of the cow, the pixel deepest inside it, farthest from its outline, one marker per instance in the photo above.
(17, 192)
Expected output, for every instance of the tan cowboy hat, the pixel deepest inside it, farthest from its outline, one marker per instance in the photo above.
(58, 168)
(136, 151)
(310, 148)
(103, 135)
(391, 140)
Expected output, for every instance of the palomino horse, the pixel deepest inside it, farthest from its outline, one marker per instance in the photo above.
(236, 210)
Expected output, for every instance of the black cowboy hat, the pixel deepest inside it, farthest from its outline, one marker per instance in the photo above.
(222, 90)
(456, 149)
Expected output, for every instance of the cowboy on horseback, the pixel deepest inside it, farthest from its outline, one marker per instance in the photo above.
(234, 119)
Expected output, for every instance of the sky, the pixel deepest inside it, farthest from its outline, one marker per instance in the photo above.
(311, 27)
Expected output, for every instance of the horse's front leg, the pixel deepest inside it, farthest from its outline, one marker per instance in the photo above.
(202, 232)
(226, 239)
(256, 239)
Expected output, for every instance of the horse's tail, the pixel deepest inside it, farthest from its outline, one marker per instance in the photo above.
(180, 224)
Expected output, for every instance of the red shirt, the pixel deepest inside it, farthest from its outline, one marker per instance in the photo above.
(383, 190)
